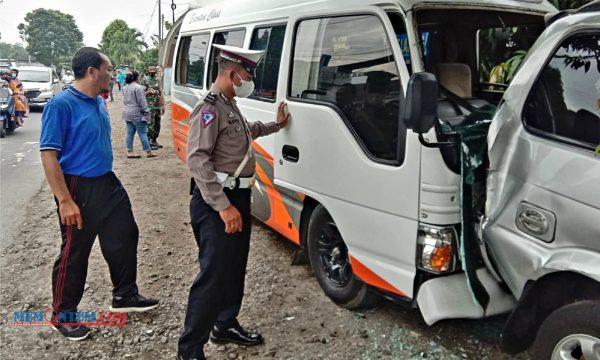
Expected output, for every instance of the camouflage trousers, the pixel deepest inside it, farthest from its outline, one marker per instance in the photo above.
(154, 125)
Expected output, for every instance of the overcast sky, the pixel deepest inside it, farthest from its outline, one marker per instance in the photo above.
(91, 16)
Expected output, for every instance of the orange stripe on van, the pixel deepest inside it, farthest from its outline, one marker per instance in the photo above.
(271, 162)
(280, 219)
(369, 277)
(259, 149)
(179, 128)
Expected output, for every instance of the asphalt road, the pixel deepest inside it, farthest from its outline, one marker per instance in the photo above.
(21, 175)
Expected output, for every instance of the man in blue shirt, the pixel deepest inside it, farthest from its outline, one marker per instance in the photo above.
(76, 152)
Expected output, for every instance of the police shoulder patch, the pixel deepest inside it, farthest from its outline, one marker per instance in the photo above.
(210, 98)
(207, 117)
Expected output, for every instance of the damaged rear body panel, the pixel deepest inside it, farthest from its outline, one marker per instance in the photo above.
(543, 186)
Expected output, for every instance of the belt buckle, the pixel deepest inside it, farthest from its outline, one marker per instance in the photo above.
(234, 184)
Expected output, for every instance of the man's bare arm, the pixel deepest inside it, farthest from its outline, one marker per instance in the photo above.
(68, 210)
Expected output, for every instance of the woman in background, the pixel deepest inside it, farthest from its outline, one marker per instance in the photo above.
(135, 114)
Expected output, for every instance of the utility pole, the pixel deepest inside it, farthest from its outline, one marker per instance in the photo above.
(173, 7)
(160, 16)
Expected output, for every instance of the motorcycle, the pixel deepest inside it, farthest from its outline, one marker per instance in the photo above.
(7, 106)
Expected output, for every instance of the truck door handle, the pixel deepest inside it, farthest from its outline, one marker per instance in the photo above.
(290, 153)
(534, 221)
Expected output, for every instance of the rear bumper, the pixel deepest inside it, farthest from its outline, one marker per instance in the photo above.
(449, 297)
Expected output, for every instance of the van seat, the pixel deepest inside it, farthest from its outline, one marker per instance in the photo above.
(455, 77)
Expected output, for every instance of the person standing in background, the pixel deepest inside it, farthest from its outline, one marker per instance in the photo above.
(120, 79)
(156, 103)
(21, 105)
(135, 114)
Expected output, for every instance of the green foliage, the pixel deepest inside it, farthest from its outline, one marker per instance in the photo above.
(50, 35)
(12, 51)
(502, 51)
(149, 57)
(122, 44)
(109, 32)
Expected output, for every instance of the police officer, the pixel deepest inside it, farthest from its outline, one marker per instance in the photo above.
(156, 104)
(221, 162)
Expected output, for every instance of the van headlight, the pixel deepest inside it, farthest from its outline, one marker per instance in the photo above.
(45, 90)
(435, 248)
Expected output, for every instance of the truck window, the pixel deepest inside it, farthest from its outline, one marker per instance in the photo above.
(347, 61)
(191, 60)
(271, 40)
(565, 99)
(231, 38)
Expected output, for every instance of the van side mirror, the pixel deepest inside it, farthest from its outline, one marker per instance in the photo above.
(421, 109)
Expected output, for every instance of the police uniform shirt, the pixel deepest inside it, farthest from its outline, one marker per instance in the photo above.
(218, 140)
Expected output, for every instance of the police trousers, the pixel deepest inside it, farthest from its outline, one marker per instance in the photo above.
(106, 212)
(216, 294)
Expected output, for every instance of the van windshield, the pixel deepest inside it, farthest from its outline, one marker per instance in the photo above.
(475, 53)
(34, 75)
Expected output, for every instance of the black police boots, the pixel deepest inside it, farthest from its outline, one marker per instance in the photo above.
(234, 334)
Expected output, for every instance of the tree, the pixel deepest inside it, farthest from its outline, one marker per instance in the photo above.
(150, 56)
(12, 51)
(122, 44)
(109, 33)
(50, 35)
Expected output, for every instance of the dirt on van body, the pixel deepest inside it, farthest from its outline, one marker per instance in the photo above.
(282, 302)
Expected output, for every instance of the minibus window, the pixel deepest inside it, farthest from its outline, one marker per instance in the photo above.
(192, 60)
(269, 39)
(348, 62)
(563, 103)
(231, 38)
(183, 56)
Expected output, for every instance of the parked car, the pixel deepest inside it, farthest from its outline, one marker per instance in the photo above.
(40, 84)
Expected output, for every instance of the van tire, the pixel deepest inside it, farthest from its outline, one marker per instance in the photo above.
(328, 252)
(571, 320)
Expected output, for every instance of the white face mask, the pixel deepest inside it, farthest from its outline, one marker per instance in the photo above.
(245, 89)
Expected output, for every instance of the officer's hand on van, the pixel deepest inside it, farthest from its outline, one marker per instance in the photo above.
(283, 116)
(70, 214)
(232, 219)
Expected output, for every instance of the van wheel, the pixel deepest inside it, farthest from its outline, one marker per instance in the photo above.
(570, 332)
(329, 259)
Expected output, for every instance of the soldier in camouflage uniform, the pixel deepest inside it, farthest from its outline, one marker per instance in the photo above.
(156, 103)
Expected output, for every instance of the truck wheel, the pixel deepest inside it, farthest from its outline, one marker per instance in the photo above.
(570, 332)
(329, 259)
